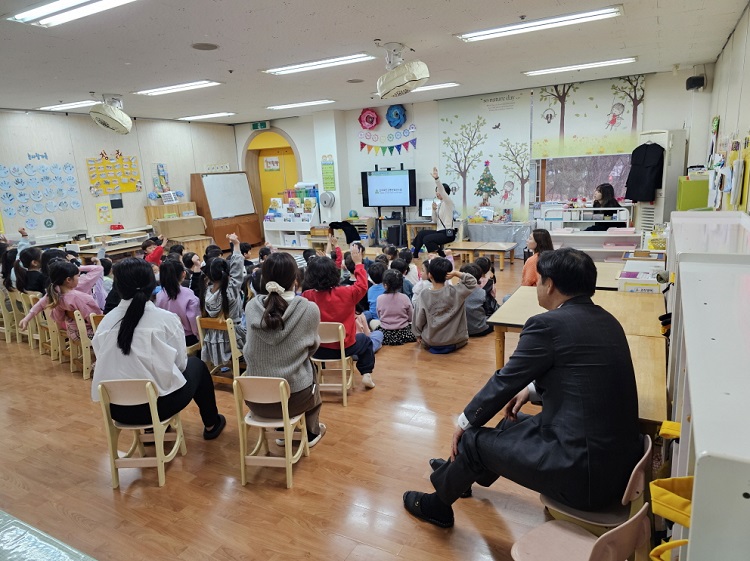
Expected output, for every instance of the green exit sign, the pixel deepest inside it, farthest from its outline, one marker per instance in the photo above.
(260, 125)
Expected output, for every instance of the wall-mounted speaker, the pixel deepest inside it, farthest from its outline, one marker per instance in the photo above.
(695, 82)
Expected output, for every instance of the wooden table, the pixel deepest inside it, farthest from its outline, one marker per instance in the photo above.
(461, 249)
(499, 249)
(413, 227)
(649, 356)
(637, 313)
(607, 274)
(130, 248)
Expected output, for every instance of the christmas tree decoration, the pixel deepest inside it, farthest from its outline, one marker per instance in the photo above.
(486, 185)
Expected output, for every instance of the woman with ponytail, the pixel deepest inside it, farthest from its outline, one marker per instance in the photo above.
(223, 299)
(62, 299)
(177, 299)
(137, 340)
(282, 336)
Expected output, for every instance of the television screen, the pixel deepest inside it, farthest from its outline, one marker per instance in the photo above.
(389, 188)
(425, 208)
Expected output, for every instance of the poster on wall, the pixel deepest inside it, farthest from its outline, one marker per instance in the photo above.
(272, 163)
(160, 177)
(328, 172)
(104, 213)
(588, 118)
(485, 153)
(109, 175)
(388, 135)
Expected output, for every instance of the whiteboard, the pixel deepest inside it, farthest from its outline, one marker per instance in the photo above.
(228, 194)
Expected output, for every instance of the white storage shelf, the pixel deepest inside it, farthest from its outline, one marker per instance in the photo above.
(599, 245)
(279, 233)
(555, 218)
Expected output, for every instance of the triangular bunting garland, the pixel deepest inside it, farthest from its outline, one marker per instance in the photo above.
(414, 142)
(398, 147)
(361, 146)
(406, 146)
(390, 150)
(369, 148)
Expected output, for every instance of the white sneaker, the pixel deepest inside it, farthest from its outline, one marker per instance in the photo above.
(367, 381)
(315, 440)
(374, 324)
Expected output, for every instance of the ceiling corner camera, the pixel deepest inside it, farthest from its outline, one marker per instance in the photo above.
(110, 116)
(402, 77)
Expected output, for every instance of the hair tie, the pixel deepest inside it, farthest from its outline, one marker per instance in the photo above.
(274, 287)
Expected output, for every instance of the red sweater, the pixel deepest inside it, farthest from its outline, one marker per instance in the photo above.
(337, 304)
(155, 256)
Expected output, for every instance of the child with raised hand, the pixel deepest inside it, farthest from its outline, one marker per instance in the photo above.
(177, 299)
(439, 313)
(282, 336)
(153, 249)
(476, 318)
(223, 299)
(336, 304)
(395, 311)
(62, 299)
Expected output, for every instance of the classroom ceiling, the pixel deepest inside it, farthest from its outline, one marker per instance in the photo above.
(147, 44)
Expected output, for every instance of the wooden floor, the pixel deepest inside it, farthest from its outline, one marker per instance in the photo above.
(346, 501)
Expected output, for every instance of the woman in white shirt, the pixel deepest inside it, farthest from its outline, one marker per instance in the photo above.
(137, 340)
(442, 215)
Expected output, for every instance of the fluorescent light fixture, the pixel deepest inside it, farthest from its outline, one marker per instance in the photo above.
(63, 11)
(179, 88)
(209, 116)
(303, 104)
(46, 10)
(547, 23)
(72, 105)
(305, 66)
(581, 66)
(436, 87)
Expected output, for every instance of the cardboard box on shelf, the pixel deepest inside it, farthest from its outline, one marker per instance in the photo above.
(180, 227)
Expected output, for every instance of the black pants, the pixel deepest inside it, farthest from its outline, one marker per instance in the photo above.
(432, 240)
(362, 347)
(198, 387)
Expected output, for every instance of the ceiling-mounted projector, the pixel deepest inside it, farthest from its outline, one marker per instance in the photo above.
(402, 77)
(109, 115)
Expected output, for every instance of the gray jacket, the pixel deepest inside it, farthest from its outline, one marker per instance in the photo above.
(282, 353)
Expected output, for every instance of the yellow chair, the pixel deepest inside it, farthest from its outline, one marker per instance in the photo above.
(268, 390)
(334, 332)
(95, 320)
(18, 315)
(38, 331)
(228, 326)
(137, 392)
(82, 347)
(9, 319)
(57, 340)
(558, 540)
(601, 521)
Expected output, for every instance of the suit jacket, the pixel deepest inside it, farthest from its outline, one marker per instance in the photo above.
(646, 167)
(584, 444)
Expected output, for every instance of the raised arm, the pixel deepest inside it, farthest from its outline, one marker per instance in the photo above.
(236, 265)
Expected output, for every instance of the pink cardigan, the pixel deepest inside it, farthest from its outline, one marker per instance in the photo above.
(69, 302)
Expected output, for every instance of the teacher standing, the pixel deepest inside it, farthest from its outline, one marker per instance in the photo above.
(442, 215)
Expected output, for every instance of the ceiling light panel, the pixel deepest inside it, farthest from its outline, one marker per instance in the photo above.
(72, 105)
(179, 88)
(547, 23)
(208, 116)
(318, 64)
(581, 66)
(63, 11)
(436, 87)
(301, 104)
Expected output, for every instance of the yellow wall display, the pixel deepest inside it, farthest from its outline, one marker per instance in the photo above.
(273, 182)
(103, 213)
(112, 175)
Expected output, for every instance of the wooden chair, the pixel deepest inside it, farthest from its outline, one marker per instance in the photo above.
(333, 332)
(18, 315)
(558, 540)
(599, 522)
(9, 318)
(95, 320)
(215, 369)
(137, 392)
(42, 330)
(57, 339)
(82, 347)
(268, 390)
(33, 326)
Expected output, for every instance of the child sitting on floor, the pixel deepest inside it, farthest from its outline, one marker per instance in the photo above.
(439, 313)
(476, 319)
(395, 311)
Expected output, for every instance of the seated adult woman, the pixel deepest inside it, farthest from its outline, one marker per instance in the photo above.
(604, 197)
(538, 241)
(137, 340)
(442, 215)
(282, 335)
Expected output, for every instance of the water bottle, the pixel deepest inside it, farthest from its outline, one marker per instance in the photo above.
(423, 253)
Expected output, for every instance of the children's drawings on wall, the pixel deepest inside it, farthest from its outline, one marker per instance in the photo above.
(109, 175)
(32, 194)
(104, 213)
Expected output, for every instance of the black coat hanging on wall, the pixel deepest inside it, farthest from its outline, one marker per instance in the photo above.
(646, 169)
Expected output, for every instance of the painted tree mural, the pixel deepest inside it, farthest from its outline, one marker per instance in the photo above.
(559, 94)
(461, 148)
(486, 185)
(517, 158)
(630, 88)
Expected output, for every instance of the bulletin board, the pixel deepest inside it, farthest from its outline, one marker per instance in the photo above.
(113, 175)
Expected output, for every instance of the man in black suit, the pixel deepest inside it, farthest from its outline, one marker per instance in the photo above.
(582, 447)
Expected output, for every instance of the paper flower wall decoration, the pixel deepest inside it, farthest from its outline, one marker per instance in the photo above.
(368, 119)
(396, 116)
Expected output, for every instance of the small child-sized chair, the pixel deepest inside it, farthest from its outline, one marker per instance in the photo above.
(334, 332)
(82, 347)
(228, 326)
(18, 314)
(268, 390)
(9, 319)
(137, 392)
